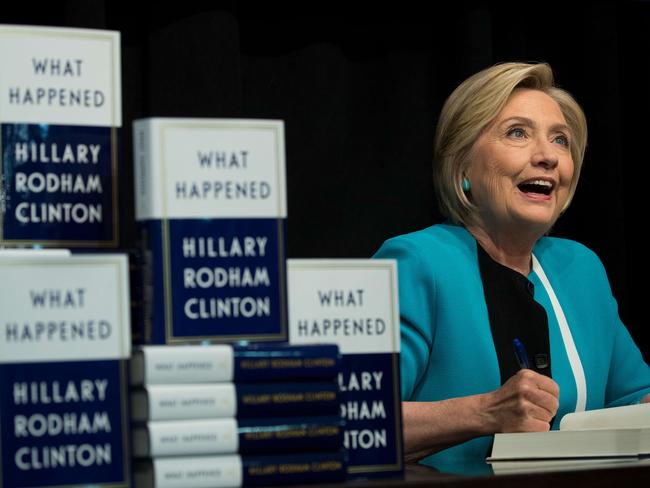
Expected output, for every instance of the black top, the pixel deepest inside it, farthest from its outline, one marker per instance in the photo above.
(514, 313)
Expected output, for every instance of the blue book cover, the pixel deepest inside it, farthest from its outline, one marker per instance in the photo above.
(60, 113)
(211, 211)
(64, 343)
(354, 303)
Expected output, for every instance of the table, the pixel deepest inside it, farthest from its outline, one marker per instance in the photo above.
(633, 473)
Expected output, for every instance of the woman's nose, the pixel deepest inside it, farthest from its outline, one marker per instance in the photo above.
(545, 154)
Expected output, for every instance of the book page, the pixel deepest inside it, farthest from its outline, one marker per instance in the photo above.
(626, 417)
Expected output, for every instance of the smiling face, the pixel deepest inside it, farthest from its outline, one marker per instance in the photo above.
(521, 167)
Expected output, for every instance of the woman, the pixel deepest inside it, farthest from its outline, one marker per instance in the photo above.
(508, 153)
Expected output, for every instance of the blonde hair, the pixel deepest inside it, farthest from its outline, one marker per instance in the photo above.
(472, 107)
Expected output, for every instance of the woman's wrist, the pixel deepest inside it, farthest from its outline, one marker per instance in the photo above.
(486, 422)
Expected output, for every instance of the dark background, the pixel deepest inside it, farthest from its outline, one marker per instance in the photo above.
(360, 90)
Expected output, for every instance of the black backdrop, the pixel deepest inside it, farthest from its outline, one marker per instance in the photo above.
(360, 92)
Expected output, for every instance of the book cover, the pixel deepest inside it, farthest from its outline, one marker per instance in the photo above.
(354, 303)
(64, 341)
(211, 209)
(253, 362)
(217, 400)
(231, 435)
(234, 470)
(60, 111)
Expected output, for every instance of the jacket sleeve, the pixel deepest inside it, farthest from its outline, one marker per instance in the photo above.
(629, 375)
(628, 378)
(417, 303)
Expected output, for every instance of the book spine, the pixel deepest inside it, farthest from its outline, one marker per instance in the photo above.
(195, 471)
(150, 292)
(292, 469)
(287, 363)
(229, 436)
(285, 399)
(221, 363)
(142, 168)
(235, 470)
(153, 312)
(218, 400)
(184, 402)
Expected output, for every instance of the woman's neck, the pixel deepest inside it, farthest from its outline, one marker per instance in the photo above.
(513, 250)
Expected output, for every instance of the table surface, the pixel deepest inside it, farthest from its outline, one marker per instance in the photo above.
(588, 473)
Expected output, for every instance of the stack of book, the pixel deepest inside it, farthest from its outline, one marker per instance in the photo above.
(65, 326)
(222, 415)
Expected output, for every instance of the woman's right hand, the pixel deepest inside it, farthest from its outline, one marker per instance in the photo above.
(527, 402)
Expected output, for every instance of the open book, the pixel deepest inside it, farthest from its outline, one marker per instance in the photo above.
(619, 432)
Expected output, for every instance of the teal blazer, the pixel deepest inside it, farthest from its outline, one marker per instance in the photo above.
(446, 343)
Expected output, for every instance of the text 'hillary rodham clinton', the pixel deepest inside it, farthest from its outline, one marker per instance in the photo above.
(236, 251)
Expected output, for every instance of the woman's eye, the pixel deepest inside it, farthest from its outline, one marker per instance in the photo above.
(517, 132)
(564, 140)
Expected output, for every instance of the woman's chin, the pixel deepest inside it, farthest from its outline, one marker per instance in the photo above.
(537, 210)
(538, 220)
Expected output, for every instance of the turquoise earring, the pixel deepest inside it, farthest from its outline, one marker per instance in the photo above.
(466, 185)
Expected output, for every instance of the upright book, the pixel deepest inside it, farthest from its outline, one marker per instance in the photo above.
(60, 111)
(354, 304)
(64, 342)
(211, 209)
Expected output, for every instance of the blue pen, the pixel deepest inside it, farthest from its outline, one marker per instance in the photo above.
(520, 352)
